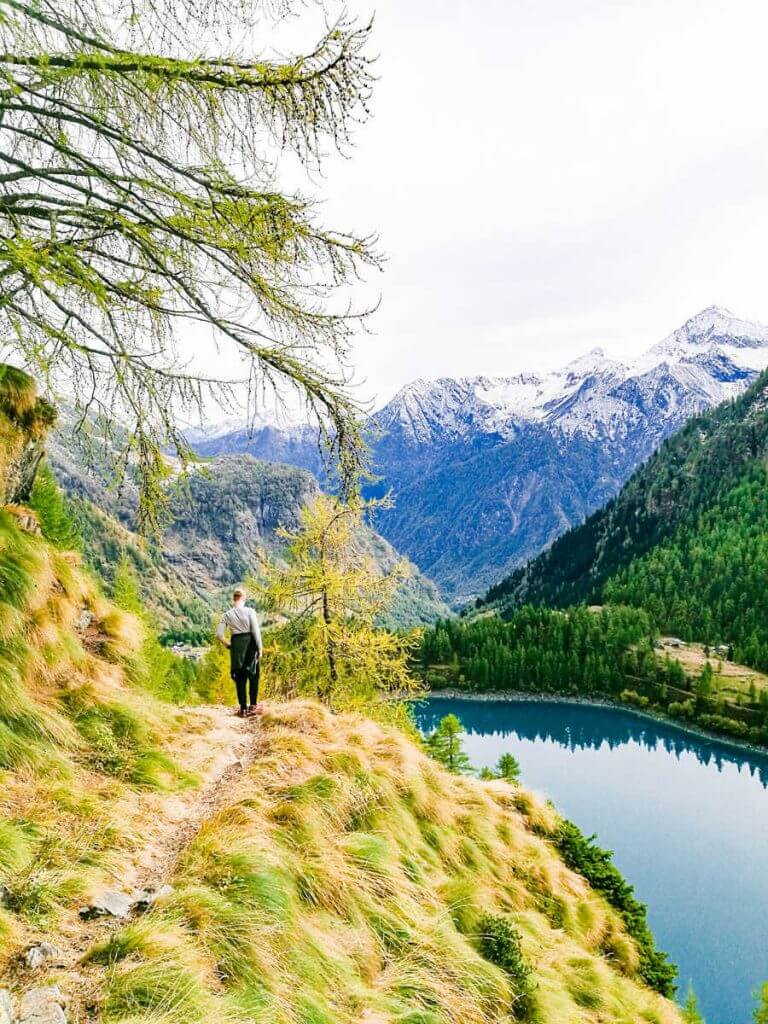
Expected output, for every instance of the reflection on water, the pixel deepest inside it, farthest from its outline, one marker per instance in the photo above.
(582, 729)
(686, 817)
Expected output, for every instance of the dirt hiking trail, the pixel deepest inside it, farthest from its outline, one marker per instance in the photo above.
(217, 747)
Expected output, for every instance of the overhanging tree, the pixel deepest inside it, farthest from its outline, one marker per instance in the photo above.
(137, 203)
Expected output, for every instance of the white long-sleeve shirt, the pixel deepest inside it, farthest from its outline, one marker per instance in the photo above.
(241, 619)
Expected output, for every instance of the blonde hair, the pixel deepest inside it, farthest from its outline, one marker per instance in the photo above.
(237, 593)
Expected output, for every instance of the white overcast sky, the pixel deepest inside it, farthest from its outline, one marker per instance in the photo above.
(551, 175)
(548, 176)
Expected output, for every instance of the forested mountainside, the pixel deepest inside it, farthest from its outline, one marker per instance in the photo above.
(161, 861)
(686, 538)
(223, 521)
(488, 472)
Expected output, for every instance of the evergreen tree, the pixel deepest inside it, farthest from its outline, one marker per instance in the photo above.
(705, 681)
(691, 1013)
(580, 650)
(125, 586)
(508, 767)
(57, 517)
(330, 595)
(444, 744)
(761, 1011)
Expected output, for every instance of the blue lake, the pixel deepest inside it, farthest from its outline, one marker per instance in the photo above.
(687, 820)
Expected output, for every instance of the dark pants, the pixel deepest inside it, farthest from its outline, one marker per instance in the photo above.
(244, 668)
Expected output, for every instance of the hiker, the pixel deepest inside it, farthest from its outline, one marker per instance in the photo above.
(245, 650)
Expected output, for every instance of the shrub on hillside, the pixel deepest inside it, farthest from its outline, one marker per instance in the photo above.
(682, 709)
(500, 943)
(582, 854)
(720, 723)
(637, 700)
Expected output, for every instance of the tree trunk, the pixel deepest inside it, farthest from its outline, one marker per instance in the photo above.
(333, 672)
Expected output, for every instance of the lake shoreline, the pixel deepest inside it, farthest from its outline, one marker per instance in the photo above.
(521, 696)
(684, 814)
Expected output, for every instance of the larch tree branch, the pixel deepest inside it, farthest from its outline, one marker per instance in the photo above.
(138, 202)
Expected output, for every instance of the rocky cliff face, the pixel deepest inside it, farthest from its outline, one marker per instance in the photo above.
(224, 520)
(25, 420)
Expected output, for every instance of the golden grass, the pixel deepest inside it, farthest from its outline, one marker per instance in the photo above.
(345, 882)
(79, 747)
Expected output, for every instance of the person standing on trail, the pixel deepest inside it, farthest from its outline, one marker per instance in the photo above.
(245, 650)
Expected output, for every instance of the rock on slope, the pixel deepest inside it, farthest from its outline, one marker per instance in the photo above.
(488, 471)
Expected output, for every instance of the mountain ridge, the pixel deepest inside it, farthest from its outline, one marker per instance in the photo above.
(223, 520)
(488, 471)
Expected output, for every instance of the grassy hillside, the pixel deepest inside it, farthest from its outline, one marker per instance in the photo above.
(347, 878)
(685, 539)
(165, 590)
(83, 731)
(318, 868)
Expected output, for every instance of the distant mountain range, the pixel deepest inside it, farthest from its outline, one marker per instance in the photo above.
(487, 472)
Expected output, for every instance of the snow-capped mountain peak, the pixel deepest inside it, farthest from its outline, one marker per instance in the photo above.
(594, 361)
(713, 328)
(710, 358)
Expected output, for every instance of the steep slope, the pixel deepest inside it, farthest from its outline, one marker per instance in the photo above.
(223, 521)
(175, 865)
(469, 508)
(165, 590)
(85, 738)
(685, 538)
(344, 877)
(230, 518)
(489, 471)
